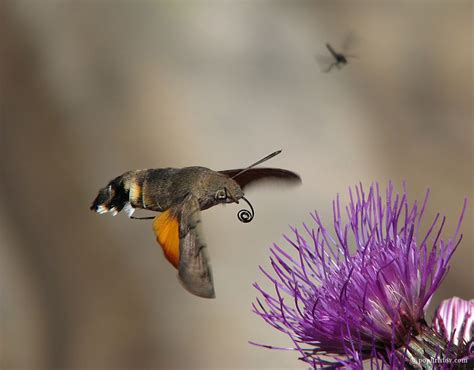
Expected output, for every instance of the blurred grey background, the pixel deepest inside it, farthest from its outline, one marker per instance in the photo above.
(90, 89)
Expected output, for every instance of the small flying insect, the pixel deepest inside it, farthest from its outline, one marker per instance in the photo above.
(341, 59)
(179, 194)
(338, 59)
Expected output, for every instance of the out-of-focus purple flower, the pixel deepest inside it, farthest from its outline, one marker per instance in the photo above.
(454, 320)
(360, 291)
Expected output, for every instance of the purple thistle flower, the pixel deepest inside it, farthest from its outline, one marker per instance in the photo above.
(454, 320)
(360, 293)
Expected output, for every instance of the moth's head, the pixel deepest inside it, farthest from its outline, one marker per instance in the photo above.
(226, 190)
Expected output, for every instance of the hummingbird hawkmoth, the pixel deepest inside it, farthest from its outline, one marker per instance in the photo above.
(179, 194)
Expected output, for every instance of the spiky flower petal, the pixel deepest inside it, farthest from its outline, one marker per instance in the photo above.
(361, 291)
(454, 319)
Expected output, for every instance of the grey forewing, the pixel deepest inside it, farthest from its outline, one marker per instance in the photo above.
(256, 175)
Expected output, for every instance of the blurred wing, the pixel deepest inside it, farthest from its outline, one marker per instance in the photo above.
(324, 61)
(349, 42)
(194, 269)
(255, 175)
(178, 232)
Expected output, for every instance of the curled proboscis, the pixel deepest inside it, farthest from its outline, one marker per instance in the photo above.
(245, 215)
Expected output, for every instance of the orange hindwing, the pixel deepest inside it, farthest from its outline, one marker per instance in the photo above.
(166, 228)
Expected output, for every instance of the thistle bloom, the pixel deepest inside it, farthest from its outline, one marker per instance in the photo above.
(454, 320)
(361, 292)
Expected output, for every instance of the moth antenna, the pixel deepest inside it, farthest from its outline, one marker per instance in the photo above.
(257, 163)
(245, 215)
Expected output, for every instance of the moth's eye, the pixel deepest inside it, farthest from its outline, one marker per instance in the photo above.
(221, 194)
